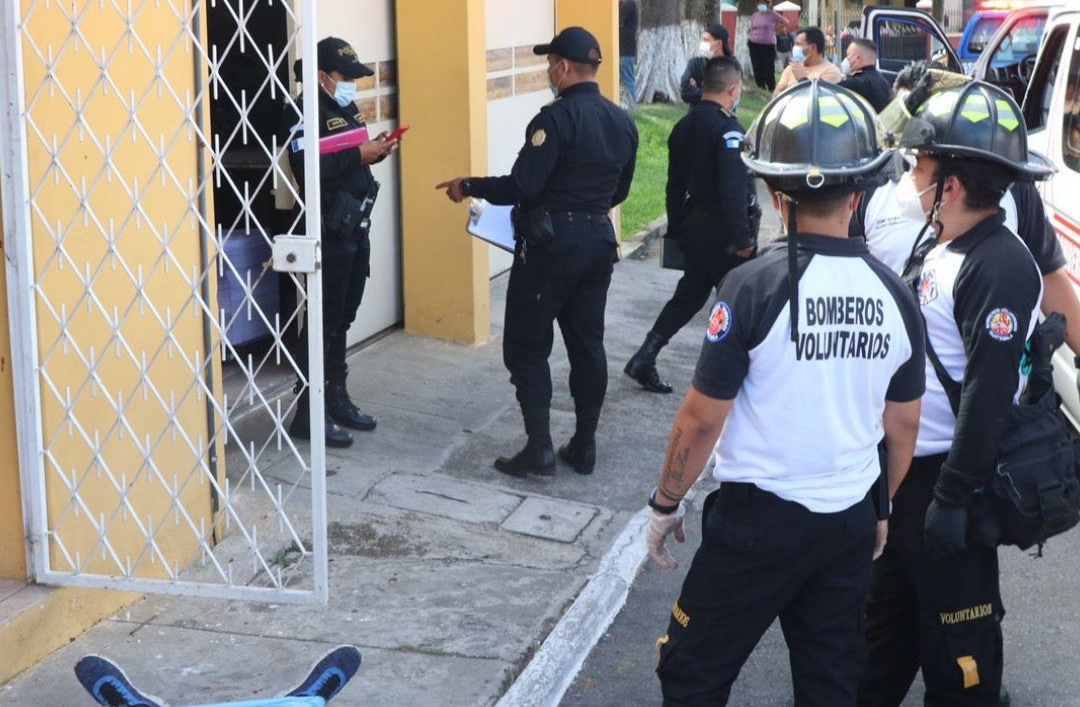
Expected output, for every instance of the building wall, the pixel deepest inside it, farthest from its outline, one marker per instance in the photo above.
(12, 537)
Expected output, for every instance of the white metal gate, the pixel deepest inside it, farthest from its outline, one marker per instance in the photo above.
(141, 167)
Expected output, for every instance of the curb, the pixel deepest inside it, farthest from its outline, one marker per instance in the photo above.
(555, 665)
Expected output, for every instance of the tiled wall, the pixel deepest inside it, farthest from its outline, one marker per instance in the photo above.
(377, 95)
(514, 71)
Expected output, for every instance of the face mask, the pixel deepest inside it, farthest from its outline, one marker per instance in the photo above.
(705, 49)
(344, 93)
(845, 66)
(908, 199)
(797, 53)
(551, 83)
(762, 7)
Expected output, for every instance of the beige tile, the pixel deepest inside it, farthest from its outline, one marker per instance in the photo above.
(368, 108)
(500, 87)
(388, 107)
(499, 59)
(387, 73)
(367, 83)
(523, 56)
(531, 81)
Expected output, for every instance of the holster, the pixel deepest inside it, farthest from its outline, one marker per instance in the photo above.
(347, 215)
(532, 225)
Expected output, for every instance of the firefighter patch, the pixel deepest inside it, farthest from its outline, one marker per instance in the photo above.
(928, 289)
(719, 322)
(1001, 324)
(538, 137)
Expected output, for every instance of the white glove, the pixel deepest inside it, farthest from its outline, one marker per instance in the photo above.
(660, 526)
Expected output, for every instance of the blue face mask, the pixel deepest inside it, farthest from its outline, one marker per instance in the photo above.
(797, 53)
(344, 92)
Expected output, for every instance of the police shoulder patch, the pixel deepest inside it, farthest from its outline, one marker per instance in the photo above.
(538, 137)
(1001, 324)
(719, 322)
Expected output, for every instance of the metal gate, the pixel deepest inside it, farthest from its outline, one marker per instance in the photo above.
(154, 343)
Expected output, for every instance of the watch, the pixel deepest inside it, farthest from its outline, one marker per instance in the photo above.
(465, 184)
(659, 507)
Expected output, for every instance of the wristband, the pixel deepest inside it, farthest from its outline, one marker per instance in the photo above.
(465, 184)
(659, 507)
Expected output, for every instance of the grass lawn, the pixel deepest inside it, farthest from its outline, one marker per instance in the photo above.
(654, 123)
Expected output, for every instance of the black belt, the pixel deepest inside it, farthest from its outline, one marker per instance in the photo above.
(577, 216)
(748, 492)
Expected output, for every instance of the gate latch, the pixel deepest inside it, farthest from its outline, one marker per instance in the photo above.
(296, 254)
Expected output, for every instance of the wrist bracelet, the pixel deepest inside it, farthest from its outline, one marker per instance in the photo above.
(659, 507)
(465, 184)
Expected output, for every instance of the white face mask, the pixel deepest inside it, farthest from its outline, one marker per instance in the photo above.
(797, 53)
(705, 49)
(845, 67)
(909, 199)
(762, 7)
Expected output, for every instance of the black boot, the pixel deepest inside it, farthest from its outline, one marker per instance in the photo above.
(642, 365)
(537, 457)
(580, 451)
(301, 426)
(342, 411)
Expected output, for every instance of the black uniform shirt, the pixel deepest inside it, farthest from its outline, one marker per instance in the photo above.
(337, 170)
(579, 154)
(871, 85)
(706, 173)
(692, 79)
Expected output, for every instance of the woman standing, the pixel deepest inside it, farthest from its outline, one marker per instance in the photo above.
(762, 43)
(715, 41)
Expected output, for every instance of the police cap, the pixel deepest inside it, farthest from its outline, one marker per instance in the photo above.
(573, 43)
(338, 55)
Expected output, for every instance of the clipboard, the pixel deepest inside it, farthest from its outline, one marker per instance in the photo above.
(491, 223)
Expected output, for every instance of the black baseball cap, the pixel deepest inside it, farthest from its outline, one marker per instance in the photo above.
(573, 43)
(338, 55)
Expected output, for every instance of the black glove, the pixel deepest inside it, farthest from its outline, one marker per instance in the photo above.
(945, 529)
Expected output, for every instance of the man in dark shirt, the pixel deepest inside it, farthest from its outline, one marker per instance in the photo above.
(708, 200)
(628, 26)
(860, 67)
(576, 164)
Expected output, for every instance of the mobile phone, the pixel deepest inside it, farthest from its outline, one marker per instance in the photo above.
(397, 133)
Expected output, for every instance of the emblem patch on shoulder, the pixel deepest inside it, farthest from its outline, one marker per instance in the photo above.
(1001, 324)
(719, 322)
(538, 137)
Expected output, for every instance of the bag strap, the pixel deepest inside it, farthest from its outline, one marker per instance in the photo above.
(952, 388)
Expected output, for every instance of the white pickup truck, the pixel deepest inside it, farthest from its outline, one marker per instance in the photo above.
(1052, 112)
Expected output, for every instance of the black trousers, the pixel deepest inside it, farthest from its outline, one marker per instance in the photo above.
(567, 282)
(943, 615)
(762, 558)
(763, 62)
(346, 265)
(707, 262)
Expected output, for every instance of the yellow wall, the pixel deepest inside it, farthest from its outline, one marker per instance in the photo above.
(12, 542)
(446, 277)
(602, 19)
(89, 246)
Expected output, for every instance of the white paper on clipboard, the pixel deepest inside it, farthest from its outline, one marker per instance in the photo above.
(491, 223)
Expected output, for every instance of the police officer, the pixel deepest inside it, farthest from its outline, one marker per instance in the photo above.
(860, 68)
(348, 191)
(819, 340)
(576, 164)
(709, 199)
(935, 600)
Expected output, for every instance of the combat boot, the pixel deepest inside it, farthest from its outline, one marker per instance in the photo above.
(580, 451)
(537, 457)
(301, 426)
(642, 365)
(342, 410)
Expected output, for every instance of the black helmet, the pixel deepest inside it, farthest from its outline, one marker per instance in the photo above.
(817, 138)
(975, 121)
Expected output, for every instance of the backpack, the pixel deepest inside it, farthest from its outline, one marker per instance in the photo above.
(1034, 493)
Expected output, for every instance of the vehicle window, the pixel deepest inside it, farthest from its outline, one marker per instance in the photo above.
(1021, 42)
(1071, 133)
(902, 41)
(1040, 91)
(982, 32)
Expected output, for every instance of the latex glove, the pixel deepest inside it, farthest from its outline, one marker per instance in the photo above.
(882, 534)
(660, 527)
(945, 529)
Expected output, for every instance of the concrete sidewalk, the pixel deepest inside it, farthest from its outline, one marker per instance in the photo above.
(446, 574)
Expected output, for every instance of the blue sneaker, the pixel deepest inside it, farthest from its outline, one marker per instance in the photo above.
(330, 674)
(108, 684)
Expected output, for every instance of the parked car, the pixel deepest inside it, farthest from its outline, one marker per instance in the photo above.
(1009, 55)
(978, 30)
(904, 35)
(1052, 112)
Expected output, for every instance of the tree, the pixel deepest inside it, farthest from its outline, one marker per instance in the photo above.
(661, 55)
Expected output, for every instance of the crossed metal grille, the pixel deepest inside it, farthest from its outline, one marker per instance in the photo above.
(164, 461)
